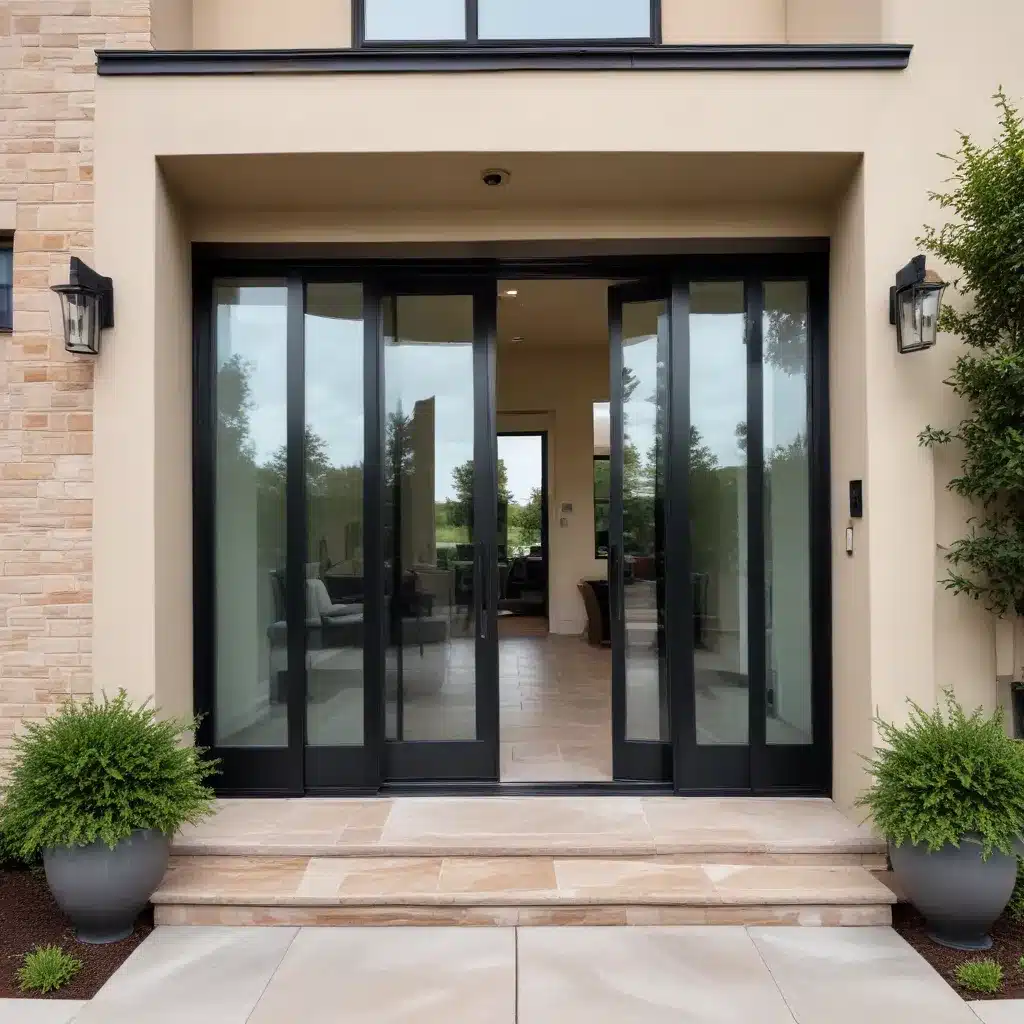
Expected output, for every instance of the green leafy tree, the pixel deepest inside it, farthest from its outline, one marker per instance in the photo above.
(460, 508)
(985, 242)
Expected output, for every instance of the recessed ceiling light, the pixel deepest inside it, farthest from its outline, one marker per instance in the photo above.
(495, 177)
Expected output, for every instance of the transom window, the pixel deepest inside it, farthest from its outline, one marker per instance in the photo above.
(506, 21)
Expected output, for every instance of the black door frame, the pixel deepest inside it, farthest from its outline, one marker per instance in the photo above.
(294, 770)
(407, 761)
(545, 525)
(633, 760)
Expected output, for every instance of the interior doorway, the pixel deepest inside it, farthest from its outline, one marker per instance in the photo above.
(555, 682)
(523, 533)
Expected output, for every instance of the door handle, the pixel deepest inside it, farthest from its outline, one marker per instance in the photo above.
(613, 582)
(481, 583)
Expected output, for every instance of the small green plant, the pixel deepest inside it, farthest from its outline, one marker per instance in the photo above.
(46, 969)
(1020, 963)
(99, 771)
(941, 778)
(980, 976)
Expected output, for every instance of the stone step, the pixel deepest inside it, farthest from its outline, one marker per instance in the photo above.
(796, 832)
(514, 891)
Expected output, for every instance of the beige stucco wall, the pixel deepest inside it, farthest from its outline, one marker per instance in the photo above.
(171, 24)
(895, 635)
(271, 24)
(727, 21)
(835, 21)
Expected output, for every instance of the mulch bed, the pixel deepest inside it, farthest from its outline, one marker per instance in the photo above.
(1007, 949)
(30, 918)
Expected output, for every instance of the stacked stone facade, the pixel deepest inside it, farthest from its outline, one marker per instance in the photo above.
(47, 78)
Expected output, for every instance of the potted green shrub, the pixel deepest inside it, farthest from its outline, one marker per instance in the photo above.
(948, 796)
(99, 790)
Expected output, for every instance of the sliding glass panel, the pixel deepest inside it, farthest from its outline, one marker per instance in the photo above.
(787, 514)
(644, 416)
(565, 19)
(718, 511)
(431, 563)
(249, 529)
(413, 20)
(334, 515)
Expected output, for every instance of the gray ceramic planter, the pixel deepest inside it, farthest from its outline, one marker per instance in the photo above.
(959, 894)
(101, 890)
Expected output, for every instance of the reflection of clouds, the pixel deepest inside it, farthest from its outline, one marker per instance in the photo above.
(444, 372)
(258, 334)
(718, 382)
(641, 411)
(334, 387)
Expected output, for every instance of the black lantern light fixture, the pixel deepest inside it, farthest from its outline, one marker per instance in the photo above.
(914, 304)
(87, 307)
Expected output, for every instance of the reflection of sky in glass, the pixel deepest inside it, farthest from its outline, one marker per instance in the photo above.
(522, 458)
(641, 411)
(443, 372)
(564, 19)
(334, 387)
(256, 331)
(415, 19)
(718, 382)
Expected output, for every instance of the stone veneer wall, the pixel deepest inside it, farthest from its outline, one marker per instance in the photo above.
(47, 79)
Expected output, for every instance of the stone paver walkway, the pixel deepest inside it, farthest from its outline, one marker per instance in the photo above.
(702, 975)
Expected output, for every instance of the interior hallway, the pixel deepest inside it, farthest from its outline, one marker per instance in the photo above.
(556, 707)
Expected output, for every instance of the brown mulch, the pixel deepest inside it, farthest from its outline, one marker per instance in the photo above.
(1007, 949)
(30, 918)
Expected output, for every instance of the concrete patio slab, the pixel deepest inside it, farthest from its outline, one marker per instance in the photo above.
(199, 975)
(853, 975)
(999, 1011)
(647, 975)
(393, 976)
(39, 1011)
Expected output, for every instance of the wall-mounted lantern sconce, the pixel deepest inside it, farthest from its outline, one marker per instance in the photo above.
(914, 304)
(87, 307)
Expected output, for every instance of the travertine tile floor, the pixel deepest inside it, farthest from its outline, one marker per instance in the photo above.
(556, 710)
(523, 976)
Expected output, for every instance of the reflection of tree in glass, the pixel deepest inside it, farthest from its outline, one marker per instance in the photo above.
(234, 404)
(785, 341)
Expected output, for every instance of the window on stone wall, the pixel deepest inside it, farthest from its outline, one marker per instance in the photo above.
(6, 285)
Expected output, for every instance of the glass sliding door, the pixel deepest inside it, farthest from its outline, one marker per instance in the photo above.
(749, 705)
(438, 592)
(341, 745)
(640, 336)
(247, 673)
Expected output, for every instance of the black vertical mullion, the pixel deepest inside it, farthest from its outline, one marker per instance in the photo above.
(374, 645)
(295, 531)
(616, 622)
(472, 21)
(204, 455)
(655, 21)
(821, 526)
(756, 611)
(485, 517)
(678, 555)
